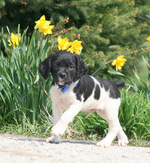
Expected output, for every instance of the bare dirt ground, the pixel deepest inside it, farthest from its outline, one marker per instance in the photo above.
(19, 149)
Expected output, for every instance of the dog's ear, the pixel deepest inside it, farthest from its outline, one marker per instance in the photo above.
(82, 68)
(45, 67)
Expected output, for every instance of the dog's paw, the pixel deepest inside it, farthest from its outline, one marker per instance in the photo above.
(123, 142)
(58, 130)
(103, 143)
(53, 139)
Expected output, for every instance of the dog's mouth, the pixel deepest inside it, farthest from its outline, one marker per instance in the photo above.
(62, 83)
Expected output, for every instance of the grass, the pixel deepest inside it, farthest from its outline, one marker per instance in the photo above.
(44, 131)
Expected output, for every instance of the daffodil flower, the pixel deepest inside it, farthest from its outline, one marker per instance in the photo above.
(119, 62)
(73, 47)
(44, 26)
(148, 39)
(15, 40)
(63, 44)
(76, 47)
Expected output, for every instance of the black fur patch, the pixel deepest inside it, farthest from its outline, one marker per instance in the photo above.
(97, 92)
(111, 87)
(84, 87)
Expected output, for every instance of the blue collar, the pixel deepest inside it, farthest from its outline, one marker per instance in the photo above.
(63, 88)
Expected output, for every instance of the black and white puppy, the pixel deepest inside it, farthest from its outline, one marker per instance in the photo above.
(72, 91)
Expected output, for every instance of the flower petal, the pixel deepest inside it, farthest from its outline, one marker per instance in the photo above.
(148, 39)
(15, 38)
(63, 44)
(114, 62)
(44, 25)
(119, 62)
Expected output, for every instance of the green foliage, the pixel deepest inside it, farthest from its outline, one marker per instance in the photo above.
(20, 93)
(106, 28)
(90, 125)
(23, 102)
(139, 85)
(134, 115)
(2, 4)
(38, 129)
(146, 60)
(142, 86)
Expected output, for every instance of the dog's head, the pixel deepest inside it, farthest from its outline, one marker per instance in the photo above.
(64, 66)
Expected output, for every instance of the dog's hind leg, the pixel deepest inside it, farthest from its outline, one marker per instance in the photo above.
(110, 114)
(122, 138)
(112, 132)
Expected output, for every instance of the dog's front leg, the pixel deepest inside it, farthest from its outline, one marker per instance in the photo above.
(57, 113)
(65, 119)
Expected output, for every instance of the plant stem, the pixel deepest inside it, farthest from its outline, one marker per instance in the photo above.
(28, 69)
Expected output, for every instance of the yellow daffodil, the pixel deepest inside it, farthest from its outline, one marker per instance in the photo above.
(119, 62)
(46, 29)
(41, 22)
(44, 26)
(63, 44)
(73, 47)
(15, 40)
(148, 39)
(76, 47)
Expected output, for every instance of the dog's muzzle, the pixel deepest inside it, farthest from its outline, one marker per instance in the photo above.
(62, 78)
(62, 75)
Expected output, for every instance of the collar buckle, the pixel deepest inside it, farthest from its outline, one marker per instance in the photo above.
(63, 88)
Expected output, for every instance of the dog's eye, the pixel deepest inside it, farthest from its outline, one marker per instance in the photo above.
(70, 66)
(55, 66)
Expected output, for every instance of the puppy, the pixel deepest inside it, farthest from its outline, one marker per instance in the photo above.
(73, 91)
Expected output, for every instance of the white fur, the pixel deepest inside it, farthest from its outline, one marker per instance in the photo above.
(65, 107)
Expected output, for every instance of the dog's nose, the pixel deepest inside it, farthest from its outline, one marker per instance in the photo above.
(62, 75)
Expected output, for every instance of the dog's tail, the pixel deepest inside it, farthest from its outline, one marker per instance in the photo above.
(119, 83)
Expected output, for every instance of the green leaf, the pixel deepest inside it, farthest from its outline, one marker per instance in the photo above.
(7, 115)
(116, 73)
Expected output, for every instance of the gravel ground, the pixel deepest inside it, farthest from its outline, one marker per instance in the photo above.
(19, 149)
